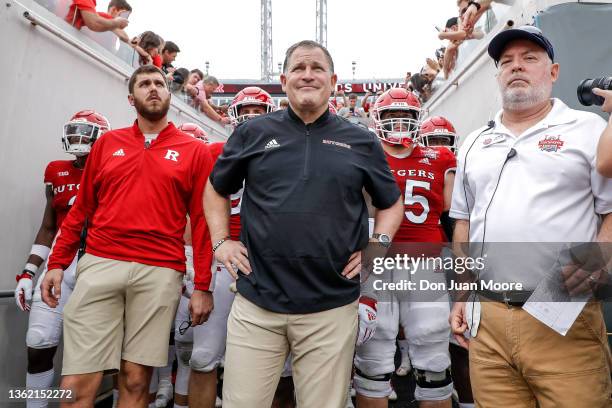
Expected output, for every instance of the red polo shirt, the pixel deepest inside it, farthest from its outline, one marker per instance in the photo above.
(136, 199)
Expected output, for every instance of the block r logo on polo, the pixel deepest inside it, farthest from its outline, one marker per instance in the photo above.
(172, 155)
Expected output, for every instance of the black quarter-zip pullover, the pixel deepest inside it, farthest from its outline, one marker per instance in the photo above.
(303, 210)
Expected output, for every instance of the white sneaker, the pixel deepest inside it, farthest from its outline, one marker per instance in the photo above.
(218, 403)
(353, 392)
(393, 396)
(165, 393)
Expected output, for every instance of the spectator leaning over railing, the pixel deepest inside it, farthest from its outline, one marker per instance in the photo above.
(604, 148)
(455, 34)
(471, 11)
(188, 91)
(450, 53)
(206, 87)
(83, 13)
(168, 56)
(147, 46)
(177, 80)
(454, 31)
(432, 71)
(420, 83)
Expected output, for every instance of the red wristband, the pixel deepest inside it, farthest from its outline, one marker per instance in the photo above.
(368, 301)
(24, 275)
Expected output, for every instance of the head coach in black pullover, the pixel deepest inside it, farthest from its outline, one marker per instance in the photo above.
(304, 222)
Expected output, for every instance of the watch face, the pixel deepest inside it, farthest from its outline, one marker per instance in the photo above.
(384, 240)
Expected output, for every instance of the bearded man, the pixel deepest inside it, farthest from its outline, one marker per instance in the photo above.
(139, 185)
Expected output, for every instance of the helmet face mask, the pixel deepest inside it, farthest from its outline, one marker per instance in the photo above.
(249, 97)
(439, 140)
(83, 129)
(250, 111)
(396, 115)
(438, 131)
(398, 127)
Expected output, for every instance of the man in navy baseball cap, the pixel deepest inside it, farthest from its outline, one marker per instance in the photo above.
(526, 32)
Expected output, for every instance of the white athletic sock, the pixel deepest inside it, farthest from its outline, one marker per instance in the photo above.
(181, 386)
(179, 406)
(164, 393)
(39, 380)
(466, 405)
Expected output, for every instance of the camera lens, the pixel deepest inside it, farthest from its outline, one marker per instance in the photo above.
(585, 90)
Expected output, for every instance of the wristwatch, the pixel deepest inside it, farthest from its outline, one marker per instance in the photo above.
(383, 239)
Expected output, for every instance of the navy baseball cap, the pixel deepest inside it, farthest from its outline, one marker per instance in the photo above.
(526, 32)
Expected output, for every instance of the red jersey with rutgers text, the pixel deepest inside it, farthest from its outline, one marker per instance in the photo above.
(64, 178)
(235, 199)
(421, 176)
(136, 197)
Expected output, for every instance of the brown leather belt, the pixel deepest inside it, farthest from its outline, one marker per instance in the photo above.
(515, 298)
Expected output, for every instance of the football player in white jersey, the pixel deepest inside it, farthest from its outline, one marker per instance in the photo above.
(62, 178)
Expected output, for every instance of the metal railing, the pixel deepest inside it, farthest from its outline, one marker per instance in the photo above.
(7, 294)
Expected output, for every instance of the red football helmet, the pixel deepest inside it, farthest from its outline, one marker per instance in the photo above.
(194, 130)
(82, 130)
(332, 108)
(404, 126)
(438, 131)
(252, 95)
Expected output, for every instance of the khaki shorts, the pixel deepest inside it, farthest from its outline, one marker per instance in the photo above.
(258, 342)
(119, 311)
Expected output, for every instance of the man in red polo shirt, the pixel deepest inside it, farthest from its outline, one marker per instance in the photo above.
(139, 185)
(83, 13)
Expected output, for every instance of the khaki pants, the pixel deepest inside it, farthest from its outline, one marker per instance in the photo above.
(517, 361)
(119, 311)
(258, 341)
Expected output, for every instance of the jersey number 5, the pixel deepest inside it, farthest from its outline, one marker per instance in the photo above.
(411, 198)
